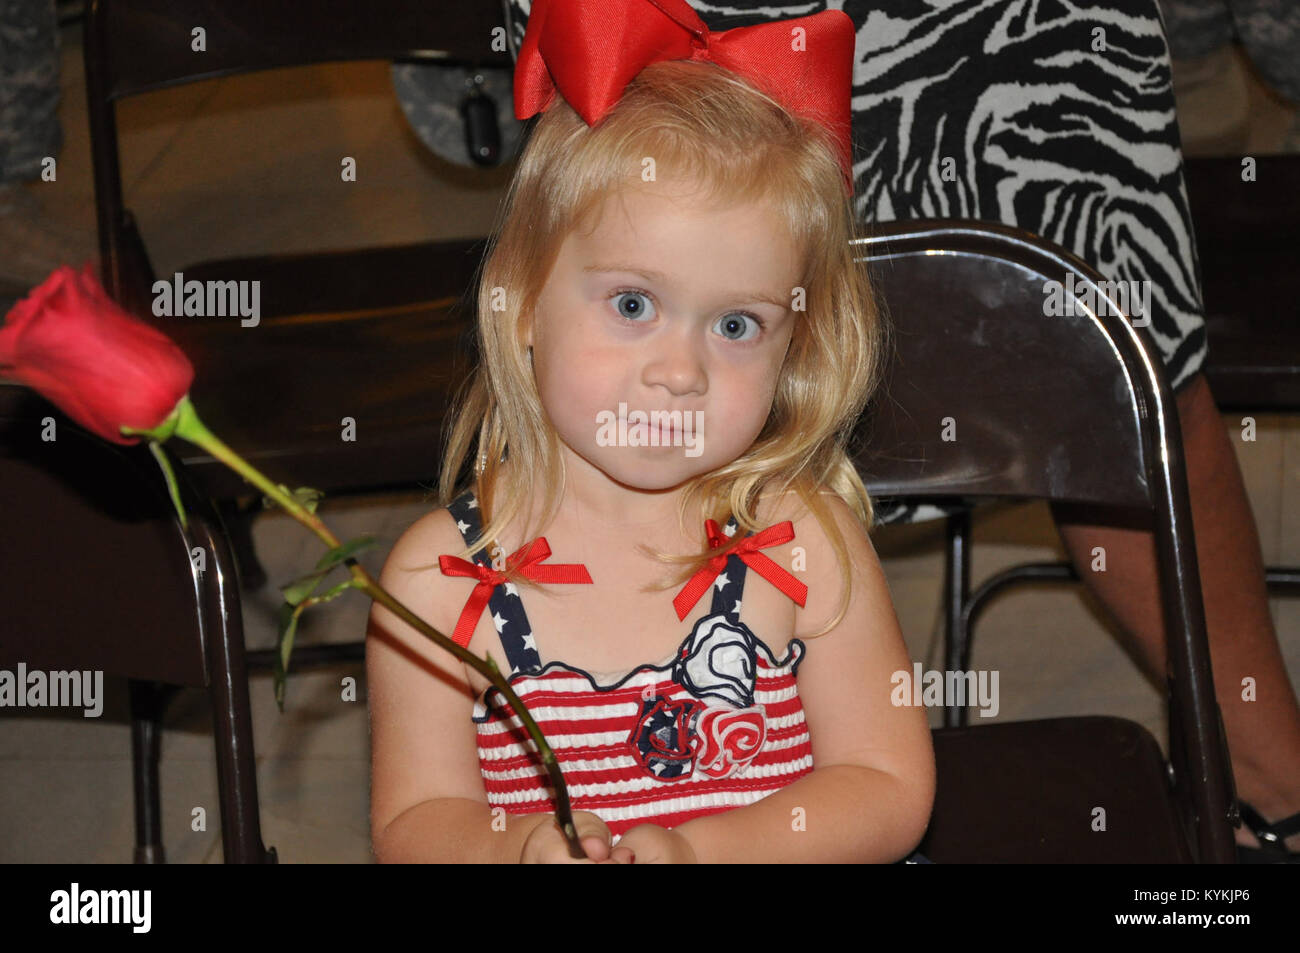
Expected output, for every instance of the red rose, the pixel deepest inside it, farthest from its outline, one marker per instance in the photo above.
(104, 368)
(726, 740)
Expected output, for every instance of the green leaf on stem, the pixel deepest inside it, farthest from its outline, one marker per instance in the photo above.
(308, 497)
(156, 449)
(288, 626)
(340, 553)
(329, 595)
(301, 588)
(305, 496)
(269, 503)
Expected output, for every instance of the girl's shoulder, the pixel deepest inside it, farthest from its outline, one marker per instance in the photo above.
(828, 564)
(413, 575)
(777, 508)
(436, 532)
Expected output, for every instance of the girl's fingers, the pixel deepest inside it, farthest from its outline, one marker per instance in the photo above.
(593, 835)
(622, 855)
(595, 847)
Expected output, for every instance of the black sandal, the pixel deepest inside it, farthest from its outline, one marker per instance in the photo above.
(1271, 849)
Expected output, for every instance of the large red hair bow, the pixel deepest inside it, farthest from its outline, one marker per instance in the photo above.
(526, 560)
(749, 554)
(589, 50)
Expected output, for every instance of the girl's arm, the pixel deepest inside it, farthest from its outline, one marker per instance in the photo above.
(872, 788)
(427, 800)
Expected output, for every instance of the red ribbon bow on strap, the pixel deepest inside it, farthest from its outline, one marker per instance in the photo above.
(591, 49)
(749, 554)
(527, 561)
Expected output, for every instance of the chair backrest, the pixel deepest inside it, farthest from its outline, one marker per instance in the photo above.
(990, 393)
(135, 46)
(149, 44)
(95, 571)
(1018, 373)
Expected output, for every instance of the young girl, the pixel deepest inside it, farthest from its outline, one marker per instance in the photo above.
(649, 472)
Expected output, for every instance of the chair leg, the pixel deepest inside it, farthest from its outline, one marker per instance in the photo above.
(1282, 580)
(148, 703)
(232, 717)
(956, 587)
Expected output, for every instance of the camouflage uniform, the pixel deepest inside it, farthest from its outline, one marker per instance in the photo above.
(29, 87)
(1268, 29)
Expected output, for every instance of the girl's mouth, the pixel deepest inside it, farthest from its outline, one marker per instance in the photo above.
(666, 429)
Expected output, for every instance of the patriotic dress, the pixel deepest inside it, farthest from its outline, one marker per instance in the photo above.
(715, 726)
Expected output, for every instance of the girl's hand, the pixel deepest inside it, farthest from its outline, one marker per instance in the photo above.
(652, 844)
(546, 843)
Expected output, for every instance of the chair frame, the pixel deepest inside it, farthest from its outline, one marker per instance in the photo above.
(205, 650)
(222, 634)
(1201, 770)
(1267, 384)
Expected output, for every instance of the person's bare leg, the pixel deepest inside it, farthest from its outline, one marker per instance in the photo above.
(1263, 735)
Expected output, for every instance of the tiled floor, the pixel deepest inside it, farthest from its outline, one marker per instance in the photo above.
(246, 178)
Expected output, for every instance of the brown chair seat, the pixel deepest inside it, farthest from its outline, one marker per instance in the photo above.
(1005, 794)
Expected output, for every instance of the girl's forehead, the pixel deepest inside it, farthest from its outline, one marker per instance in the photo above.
(676, 197)
(632, 218)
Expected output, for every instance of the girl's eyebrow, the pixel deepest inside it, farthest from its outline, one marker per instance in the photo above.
(778, 301)
(631, 269)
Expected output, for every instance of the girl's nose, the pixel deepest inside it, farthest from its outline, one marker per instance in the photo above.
(675, 363)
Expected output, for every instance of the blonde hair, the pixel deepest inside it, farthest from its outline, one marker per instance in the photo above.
(706, 126)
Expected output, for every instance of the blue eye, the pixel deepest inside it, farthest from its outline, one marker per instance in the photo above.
(735, 326)
(631, 304)
(636, 306)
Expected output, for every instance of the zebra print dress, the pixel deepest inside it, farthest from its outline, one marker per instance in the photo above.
(1055, 116)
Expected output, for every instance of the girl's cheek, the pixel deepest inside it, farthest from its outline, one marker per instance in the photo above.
(591, 355)
(571, 387)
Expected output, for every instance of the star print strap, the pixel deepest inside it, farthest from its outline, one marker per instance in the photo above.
(716, 573)
(527, 562)
(502, 602)
(730, 586)
(507, 609)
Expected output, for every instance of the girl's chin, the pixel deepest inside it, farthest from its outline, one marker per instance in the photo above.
(649, 468)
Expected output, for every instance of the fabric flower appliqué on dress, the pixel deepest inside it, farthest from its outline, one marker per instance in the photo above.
(721, 730)
(663, 735)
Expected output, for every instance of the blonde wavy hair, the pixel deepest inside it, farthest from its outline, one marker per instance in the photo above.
(706, 126)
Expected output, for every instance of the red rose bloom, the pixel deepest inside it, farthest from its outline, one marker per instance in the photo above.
(105, 369)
